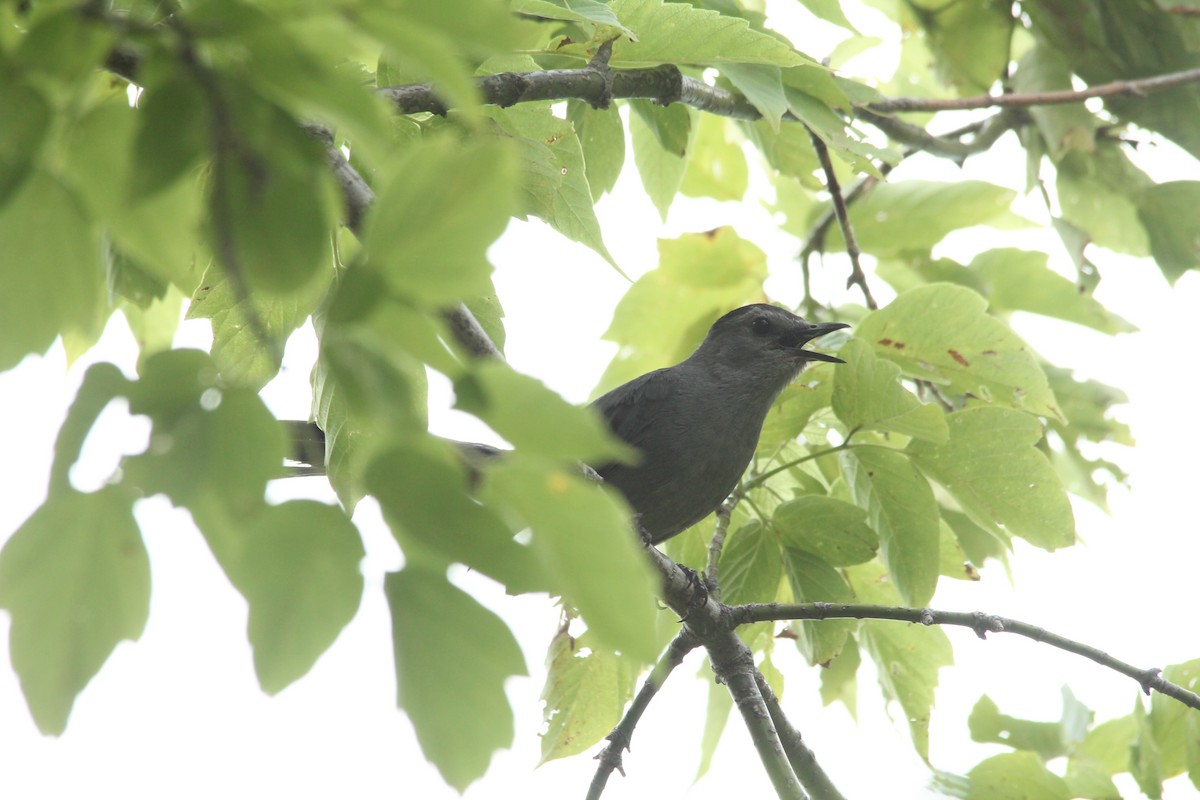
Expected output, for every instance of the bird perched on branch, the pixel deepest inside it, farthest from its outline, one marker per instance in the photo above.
(696, 424)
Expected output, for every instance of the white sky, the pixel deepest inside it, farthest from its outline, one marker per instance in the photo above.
(179, 714)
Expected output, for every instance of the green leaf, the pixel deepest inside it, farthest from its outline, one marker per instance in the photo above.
(970, 42)
(250, 331)
(1145, 760)
(174, 132)
(297, 565)
(535, 419)
(586, 689)
(666, 313)
(671, 125)
(23, 131)
(942, 333)
(794, 407)
(583, 537)
(762, 84)
(1020, 280)
(1172, 725)
(900, 507)
(1098, 194)
(750, 568)
(829, 528)
(272, 206)
(840, 680)
(661, 170)
(575, 10)
(830, 11)
(553, 174)
(52, 276)
(717, 166)
(907, 657)
(992, 467)
(867, 394)
(440, 208)
(76, 579)
(1065, 127)
(425, 501)
(716, 716)
(987, 724)
(917, 214)
(1015, 776)
(101, 384)
(813, 580)
(452, 659)
(1164, 209)
(677, 33)
(843, 140)
(159, 233)
(602, 143)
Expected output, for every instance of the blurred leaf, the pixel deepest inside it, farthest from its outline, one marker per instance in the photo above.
(52, 275)
(160, 234)
(1020, 280)
(677, 33)
(441, 206)
(840, 680)
(272, 205)
(917, 214)
(901, 509)
(666, 313)
(504, 398)
(660, 169)
(970, 41)
(716, 716)
(993, 469)
(1098, 194)
(1065, 127)
(583, 537)
(907, 657)
(867, 394)
(452, 659)
(942, 333)
(671, 125)
(750, 567)
(829, 528)
(794, 407)
(101, 383)
(813, 580)
(174, 132)
(987, 724)
(1145, 761)
(830, 11)
(602, 142)
(592, 11)
(717, 166)
(1015, 776)
(23, 131)
(1165, 211)
(425, 501)
(1172, 724)
(586, 689)
(240, 322)
(75, 578)
(297, 565)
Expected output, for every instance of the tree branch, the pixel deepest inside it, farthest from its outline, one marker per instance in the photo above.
(619, 740)
(1149, 679)
(1135, 88)
(857, 276)
(803, 762)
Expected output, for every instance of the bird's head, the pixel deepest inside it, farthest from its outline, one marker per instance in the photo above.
(764, 343)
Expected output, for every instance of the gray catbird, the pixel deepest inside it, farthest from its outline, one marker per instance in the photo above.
(696, 424)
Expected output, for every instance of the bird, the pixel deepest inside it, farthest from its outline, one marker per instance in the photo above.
(695, 425)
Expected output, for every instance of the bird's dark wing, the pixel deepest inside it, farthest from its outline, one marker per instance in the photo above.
(631, 409)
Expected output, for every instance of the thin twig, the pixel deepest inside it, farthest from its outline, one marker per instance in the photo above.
(1135, 88)
(712, 575)
(857, 276)
(1149, 679)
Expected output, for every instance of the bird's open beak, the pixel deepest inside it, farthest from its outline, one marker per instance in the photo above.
(812, 332)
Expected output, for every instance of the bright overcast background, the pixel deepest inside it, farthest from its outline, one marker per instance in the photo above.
(179, 714)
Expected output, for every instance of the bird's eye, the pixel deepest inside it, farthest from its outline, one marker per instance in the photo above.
(761, 326)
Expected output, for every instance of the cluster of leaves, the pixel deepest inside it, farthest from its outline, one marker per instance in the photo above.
(212, 192)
